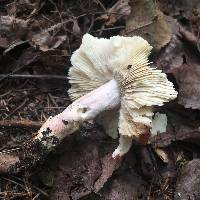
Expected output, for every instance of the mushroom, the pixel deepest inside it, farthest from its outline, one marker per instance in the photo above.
(111, 81)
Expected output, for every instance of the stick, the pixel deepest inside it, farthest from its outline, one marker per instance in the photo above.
(29, 76)
(20, 123)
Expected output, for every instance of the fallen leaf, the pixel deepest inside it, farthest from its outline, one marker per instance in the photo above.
(183, 62)
(11, 30)
(149, 22)
(10, 23)
(109, 165)
(76, 28)
(188, 79)
(183, 125)
(84, 167)
(27, 57)
(126, 186)
(181, 9)
(3, 42)
(187, 186)
(22, 6)
(78, 171)
(45, 41)
(6, 162)
(171, 57)
(120, 10)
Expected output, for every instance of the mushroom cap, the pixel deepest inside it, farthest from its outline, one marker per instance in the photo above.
(125, 59)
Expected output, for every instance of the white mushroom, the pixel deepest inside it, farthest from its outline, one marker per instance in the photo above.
(111, 80)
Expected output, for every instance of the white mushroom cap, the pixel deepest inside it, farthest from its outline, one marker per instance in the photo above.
(124, 59)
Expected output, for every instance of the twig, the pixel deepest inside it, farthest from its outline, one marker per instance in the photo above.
(36, 196)
(111, 28)
(52, 2)
(91, 24)
(30, 76)
(12, 181)
(58, 25)
(21, 123)
(150, 190)
(16, 109)
(25, 187)
(52, 100)
(102, 6)
(33, 186)
(5, 94)
(14, 71)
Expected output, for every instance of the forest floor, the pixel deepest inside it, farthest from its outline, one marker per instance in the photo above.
(37, 39)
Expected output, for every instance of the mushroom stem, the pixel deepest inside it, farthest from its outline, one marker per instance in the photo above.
(125, 144)
(106, 97)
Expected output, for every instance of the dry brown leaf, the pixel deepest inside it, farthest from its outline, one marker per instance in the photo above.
(109, 165)
(125, 187)
(187, 186)
(8, 24)
(183, 62)
(45, 41)
(171, 58)
(76, 28)
(22, 6)
(149, 22)
(78, 169)
(119, 10)
(84, 167)
(12, 29)
(7, 161)
(146, 164)
(183, 125)
(3, 42)
(188, 78)
(183, 133)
